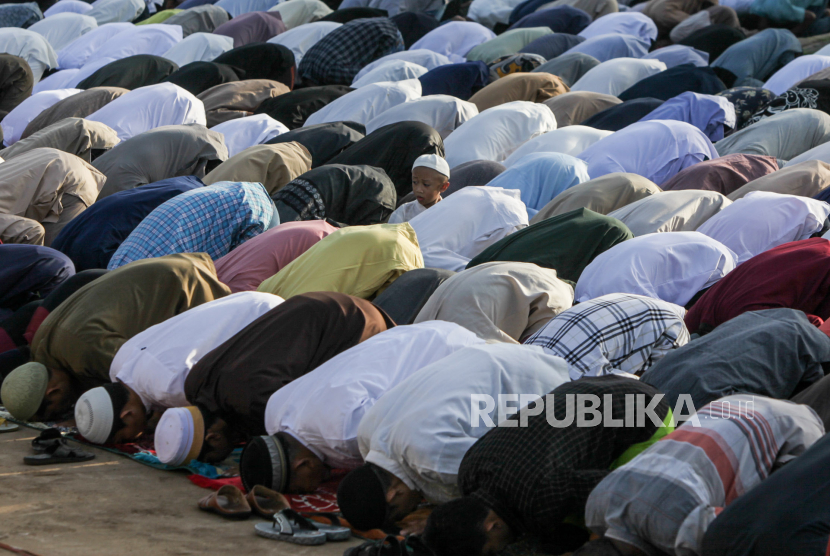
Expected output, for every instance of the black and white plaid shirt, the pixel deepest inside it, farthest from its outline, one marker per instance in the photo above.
(339, 56)
(612, 333)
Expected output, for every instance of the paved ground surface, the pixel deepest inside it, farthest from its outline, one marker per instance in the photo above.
(112, 505)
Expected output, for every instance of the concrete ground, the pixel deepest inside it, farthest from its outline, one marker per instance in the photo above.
(113, 505)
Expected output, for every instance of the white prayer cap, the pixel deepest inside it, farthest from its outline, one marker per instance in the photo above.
(433, 161)
(94, 415)
(180, 435)
(23, 390)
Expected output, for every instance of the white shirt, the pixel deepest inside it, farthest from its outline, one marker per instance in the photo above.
(199, 47)
(239, 7)
(672, 267)
(420, 430)
(671, 211)
(155, 363)
(656, 150)
(570, 140)
(443, 113)
(300, 12)
(391, 70)
(150, 107)
(299, 40)
(821, 152)
(76, 53)
(455, 39)
(622, 23)
(348, 385)
(612, 46)
(62, 29)
(68, 6)
(762, 220)
(154, 39)
(421, 57)
(363, 104)
(464, 224)
(242, 133)
(800, 68)
(491, 12)
(678, 54)
(30, 46)
(406, 212)
(63, 79)
(498, 131)
(615, 76)
(116, 11)
(15, 122)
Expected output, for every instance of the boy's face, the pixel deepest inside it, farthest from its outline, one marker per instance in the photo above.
(427, 185)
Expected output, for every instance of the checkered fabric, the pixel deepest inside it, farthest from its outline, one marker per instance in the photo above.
(212, 219)
(615, 332)
(536, 475)
(303, 198)
(339, 56)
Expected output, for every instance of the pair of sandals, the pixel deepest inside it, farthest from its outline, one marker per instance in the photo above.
(50, 448)
(230, 503)
(286, 525)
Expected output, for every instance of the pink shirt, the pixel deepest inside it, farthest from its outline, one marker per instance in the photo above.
(247, 266)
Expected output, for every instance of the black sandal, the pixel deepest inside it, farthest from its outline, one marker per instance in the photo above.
(58, 451)
(46, 439)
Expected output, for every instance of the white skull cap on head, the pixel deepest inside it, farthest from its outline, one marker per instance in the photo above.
(433, 161)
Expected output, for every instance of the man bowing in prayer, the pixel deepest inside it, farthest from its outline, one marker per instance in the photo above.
(74, 347)
(149, 371)
(534, 480)
(414, 437)
(313, 421)
(228, 389)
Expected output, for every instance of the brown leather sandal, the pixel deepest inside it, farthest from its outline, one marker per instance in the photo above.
(266, 502)
(228, 501)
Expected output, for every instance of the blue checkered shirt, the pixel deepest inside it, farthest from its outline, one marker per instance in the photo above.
(339, 56)
(213, 220)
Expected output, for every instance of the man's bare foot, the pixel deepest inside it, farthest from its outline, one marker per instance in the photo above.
(809, 18)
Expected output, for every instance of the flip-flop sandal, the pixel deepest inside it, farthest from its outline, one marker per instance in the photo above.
(228, 502)
(286, 527)
(266, 502)
(47, 438)
(6, 426)
(335, 531)
(59, 452)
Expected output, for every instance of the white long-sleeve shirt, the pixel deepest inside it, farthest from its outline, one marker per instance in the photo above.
(323, 409)
(155, 363)
(463, 225)
(420, 430)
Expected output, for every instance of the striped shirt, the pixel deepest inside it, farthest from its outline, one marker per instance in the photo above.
(213, 220)
(613, 333)
(662, 501)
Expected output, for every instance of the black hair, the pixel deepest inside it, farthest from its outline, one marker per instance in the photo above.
(457, 527)
(119, 395)
(599, 547)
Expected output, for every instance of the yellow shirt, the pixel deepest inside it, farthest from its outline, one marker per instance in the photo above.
(359, 260)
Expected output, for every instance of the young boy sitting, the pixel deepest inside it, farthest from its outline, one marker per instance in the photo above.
(430, 178)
